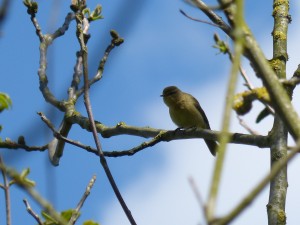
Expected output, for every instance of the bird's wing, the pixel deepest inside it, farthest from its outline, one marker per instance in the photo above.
(197, 105)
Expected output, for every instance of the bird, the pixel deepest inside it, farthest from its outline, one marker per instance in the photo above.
(186, 112)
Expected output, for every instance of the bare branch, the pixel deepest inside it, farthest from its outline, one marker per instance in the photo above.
(201, 21)
(6, 187)
(116, 41)
(9, 144)
(216, 19)
(82, 41)
(82, 200)
(32, 213)
(281, 101)
(224, 138)
(245, 125)
(197, 195)
(246, 201)
(164, 135)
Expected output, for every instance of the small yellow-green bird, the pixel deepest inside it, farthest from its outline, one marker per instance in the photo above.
(186, 112)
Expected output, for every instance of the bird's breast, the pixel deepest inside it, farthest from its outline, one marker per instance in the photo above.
(186, 117)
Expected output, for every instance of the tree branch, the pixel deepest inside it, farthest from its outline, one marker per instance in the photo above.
(82, 24)
(114, 43)
(216, 19)
(281, 100)
(246, 201)
(32, 213)
(9, 144)
(19, 180)
(224, 138)
(87, 192)
(6, 187)
(279, 134)
(158, 135)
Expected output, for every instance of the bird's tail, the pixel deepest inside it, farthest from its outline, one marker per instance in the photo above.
(212, 145)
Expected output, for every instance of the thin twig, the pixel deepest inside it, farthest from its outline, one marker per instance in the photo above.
(216, 19)
(32, 213)
(9, 144)
(81, 38)
(33, 193)
(38, 29)
(197, 195)
(245, 125)
(75, 213)
(76, 76)
(224, 138)
(292, 82)
(246, 201)
(224, 47)
(198, 20)
(61, 31)
(6, 187)
(100, 70)
(217, 7)
(242, 71)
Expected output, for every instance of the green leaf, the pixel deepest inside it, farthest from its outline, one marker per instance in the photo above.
(27, 3)
(5, 101)
(67, 214)
(264, 113)
(90, 222)
(48, 219)
(86, 12)
(96, 14)
(25, 172)
(220, 44)
(24, 178)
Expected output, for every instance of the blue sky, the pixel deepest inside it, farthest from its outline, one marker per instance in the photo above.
(161, 48)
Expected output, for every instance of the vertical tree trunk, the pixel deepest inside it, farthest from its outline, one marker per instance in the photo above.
(278, 187)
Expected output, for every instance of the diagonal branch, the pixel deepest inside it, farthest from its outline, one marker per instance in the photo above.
(82, 23)
(198, 20)
(114, 43)
(247, 200)
(19, 180)
(216, 19)
(32, 213)
(224, 138)
(281, 100)
(75, 213)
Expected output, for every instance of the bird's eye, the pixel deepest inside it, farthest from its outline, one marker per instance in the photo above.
(170, 93)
